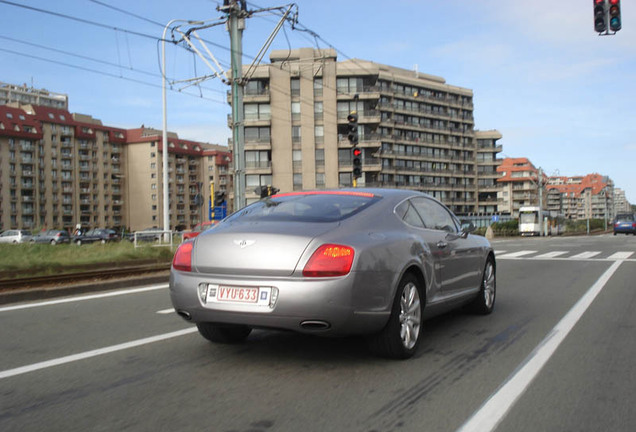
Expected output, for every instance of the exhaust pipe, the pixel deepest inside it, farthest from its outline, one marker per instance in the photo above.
(315, 325)
(185, 315)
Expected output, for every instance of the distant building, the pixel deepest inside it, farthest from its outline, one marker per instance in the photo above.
(582, 197)
(23, 94)
(621, 205)
(520, 186)
(60, 170)
(416, 131)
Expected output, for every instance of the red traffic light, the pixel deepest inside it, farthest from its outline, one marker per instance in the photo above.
(357, 152)
(600, 16)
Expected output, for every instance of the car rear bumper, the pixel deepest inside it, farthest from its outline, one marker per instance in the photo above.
(322, 306)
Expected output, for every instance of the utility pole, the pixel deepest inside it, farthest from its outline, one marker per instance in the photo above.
(236, 25)
(236, 12)
(540, 183)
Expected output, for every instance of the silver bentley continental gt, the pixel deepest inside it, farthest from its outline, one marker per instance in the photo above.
(372, 262)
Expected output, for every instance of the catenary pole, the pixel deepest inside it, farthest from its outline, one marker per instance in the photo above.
(236, 24)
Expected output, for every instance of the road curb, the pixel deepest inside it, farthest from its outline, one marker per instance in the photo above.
(49, 292)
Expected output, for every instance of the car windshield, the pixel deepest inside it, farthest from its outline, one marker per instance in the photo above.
(306, 207)
(625, 217)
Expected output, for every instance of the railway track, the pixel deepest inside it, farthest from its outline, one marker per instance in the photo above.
(82, 276)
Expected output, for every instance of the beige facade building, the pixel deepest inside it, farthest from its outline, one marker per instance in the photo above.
(23, 94)
(582, 197)
(63, 170)
(519, 185)
(192, 166)
(416, 131)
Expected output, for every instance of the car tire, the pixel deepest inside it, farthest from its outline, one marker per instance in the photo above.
(484, 303)
(401, 336)
(224, 333)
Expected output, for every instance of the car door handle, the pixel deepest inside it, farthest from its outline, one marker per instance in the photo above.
(441, 244)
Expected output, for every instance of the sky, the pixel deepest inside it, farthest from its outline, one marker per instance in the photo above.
(560, 94)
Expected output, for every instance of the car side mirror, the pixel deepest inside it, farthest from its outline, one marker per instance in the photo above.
(467, 228)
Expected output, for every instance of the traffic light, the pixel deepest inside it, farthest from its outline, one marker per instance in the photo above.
(265, 191)
(600, 16)
(357, 162)
(219, 198)
(615, 15)
(352, 128)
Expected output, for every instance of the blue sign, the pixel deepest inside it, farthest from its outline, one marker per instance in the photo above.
(220, 212)
(495, 218)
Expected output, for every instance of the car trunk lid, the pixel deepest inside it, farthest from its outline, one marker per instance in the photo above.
(255, 249)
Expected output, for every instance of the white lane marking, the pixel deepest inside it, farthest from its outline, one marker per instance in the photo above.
(552, 254)
(499, 252)
(166, 311)
(620, 255)
(517, 254)
(585, 255)
(491, 413)
(82, 298)
(100, 351)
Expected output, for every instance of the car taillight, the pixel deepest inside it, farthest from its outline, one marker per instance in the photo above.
(330, 260)
(183, 257)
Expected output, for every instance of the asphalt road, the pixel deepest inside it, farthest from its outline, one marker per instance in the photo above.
(556, 355)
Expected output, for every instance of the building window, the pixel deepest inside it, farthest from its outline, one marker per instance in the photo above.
(257, 134)
(318, 87)
(320, 180)
(320, 157)
(319, 134)
(297, 159)
(318, 110)
(295, 134)
(344, 179)
(257, 111)
(298, 181)
(295, 86)
(295, 110)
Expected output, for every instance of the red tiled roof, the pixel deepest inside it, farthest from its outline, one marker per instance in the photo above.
(17, 123)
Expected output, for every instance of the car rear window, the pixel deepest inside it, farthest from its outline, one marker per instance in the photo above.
(306, 207)
(625, 217)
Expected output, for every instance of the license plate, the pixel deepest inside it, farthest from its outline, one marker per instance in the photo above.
(237, 294)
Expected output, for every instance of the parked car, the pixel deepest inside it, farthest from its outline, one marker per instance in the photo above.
(53, 237)
(625, 223)
(96, 235)
(372, 262)
(15, 236)
(147, 235)
(198, 229)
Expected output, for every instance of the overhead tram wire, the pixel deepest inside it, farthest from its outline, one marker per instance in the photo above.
(105, 74)
(127, 13)
(96, 60)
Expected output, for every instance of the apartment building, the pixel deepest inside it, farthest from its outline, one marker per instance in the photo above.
(487, 175)
(24, 94)
(621, 205)
(59, 169)
(582, 197)
(191, 168)
(416, 131)
(519, 186)
(63, 170)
